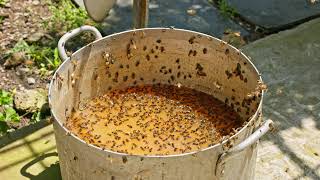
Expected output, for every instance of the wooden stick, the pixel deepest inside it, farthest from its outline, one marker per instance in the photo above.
(140, 13)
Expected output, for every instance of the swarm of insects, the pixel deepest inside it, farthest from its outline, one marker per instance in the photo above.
(154, 120)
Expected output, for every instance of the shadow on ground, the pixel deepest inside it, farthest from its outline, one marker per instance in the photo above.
(32, 157)
(49, 173)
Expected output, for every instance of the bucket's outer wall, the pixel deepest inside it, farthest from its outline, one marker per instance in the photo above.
(225, 73)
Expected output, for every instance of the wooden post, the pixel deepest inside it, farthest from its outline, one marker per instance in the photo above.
(140, 13)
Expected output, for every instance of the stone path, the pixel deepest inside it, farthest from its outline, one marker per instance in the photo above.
(166, 13)
(289, 63)
(274, 13)
(271, 15)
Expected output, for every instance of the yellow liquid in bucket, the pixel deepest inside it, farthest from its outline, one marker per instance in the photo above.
(154, 120)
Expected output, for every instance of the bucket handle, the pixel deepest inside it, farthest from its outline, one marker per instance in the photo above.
(73, 33)
(24, 169)
(253, 138)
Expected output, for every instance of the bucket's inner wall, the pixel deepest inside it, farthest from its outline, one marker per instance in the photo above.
(153, 56)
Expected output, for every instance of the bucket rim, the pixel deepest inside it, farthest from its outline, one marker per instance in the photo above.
(247, 123)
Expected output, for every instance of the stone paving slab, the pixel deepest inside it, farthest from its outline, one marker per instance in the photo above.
(290, 65)
(275, 13)
(166, 13)
(33, 157)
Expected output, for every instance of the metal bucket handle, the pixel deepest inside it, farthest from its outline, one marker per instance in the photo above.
(73, 33)
(253, 138)
(24, 169)
(225, 156)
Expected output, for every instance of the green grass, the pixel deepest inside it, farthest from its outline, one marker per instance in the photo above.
(66, 16)
(1, 19)
(5, 98)
(7, 113)
(45, 57)
(3, 2)
(225, 9)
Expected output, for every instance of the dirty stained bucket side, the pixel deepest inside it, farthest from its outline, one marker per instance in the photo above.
(226, 74)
